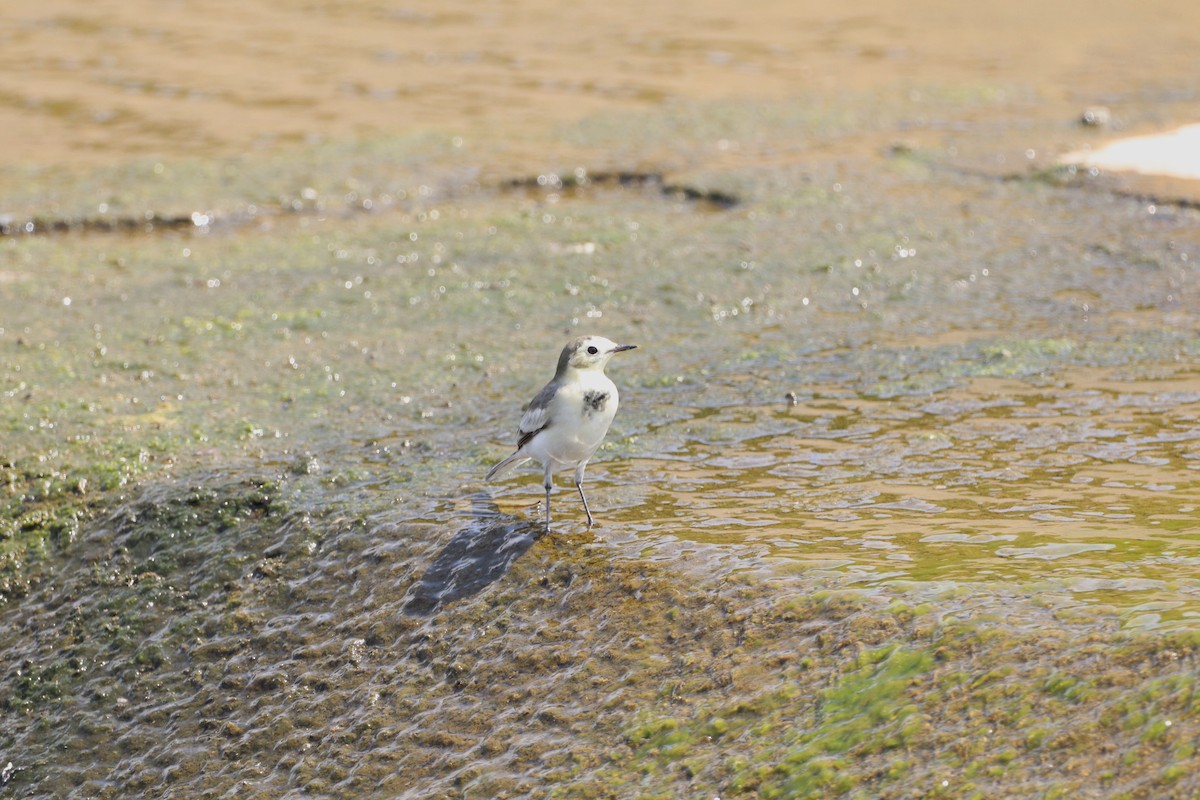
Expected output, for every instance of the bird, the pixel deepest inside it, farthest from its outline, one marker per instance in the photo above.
(566, 421)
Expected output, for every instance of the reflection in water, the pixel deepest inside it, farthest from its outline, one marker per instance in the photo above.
(478, 555)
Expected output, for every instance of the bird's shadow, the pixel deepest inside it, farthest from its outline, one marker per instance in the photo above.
(478, 555)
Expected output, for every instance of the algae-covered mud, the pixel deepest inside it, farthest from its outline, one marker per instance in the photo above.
(901, 502)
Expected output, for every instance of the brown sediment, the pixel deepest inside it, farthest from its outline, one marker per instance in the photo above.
(123, 79)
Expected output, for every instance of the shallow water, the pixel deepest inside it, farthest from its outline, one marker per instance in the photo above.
(900, 502)
(1085, 487)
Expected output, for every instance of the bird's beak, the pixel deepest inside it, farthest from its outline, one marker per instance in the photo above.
(621, 347)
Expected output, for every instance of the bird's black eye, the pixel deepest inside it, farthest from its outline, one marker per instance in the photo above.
(592, 350)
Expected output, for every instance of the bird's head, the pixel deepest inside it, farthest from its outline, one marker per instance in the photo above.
(589, 352)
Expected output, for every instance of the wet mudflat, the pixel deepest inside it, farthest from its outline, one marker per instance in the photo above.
(901, 500)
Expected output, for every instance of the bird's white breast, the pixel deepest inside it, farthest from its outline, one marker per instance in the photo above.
(580, 422)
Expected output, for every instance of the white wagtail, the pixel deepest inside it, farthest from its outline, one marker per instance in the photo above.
(567, 419)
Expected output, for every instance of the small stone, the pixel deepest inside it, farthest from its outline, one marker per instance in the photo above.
(1095, 117)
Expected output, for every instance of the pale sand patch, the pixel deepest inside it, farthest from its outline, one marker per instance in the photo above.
(1174, 154)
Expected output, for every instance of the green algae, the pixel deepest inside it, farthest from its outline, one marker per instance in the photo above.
(49, 498)
(141, 613)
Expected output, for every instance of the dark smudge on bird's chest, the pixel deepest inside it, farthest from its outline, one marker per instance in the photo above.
(594, 401)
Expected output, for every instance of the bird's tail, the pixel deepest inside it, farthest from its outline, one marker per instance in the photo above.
(515, 460)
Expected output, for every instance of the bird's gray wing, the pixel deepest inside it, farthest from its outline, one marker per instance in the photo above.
(537, 417)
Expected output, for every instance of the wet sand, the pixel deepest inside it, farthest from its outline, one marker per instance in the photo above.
(129, 79)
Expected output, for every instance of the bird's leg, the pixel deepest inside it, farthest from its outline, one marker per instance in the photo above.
(586, 510)
(548, 482)
(579, 486)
